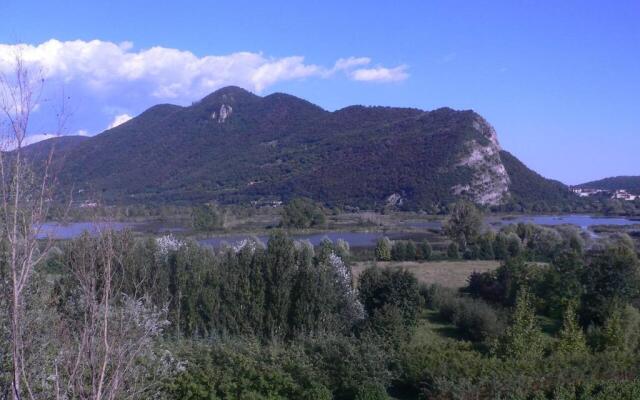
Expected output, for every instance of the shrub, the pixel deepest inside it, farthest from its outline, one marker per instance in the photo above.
(302, 213)
(474, 318)
(380, 287)
(425, 250)
(207, 217)
(371, 392)
(453, 252)
(383, 249)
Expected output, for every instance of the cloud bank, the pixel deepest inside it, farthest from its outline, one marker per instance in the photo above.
(168, 73)
(109, 82)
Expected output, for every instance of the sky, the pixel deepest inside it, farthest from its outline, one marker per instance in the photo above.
(559, 80)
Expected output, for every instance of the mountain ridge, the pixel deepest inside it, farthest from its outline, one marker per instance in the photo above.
(630, 183)
(235, 146)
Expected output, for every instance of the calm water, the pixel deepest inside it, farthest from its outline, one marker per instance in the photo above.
(583, 221)
(72, 230)
(355, 239)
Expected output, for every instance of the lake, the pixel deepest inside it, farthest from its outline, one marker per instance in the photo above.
(582, 221)
(355, 239)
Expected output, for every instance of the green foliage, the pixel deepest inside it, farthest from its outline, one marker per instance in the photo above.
(280, 292)
(485, 246)
(410, 251)
(207, 217)
(248, 370)
(279, 147)
(302, 213)
(611, 280)
(562, 286)
(399, 250)
(629, 183)
(453, 251)
(619, 333)
(463, 224)
(474, 318)
(522, 340)
(425, 250)
(571, 339)
(371, 392)
(383, 249)
(395, 287)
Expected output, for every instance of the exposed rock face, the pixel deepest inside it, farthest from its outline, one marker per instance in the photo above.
(395, 199)
(225, 112)
(490, 182)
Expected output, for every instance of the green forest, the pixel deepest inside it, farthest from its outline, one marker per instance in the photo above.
(166, 318)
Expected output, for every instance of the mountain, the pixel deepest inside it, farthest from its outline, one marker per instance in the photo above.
(529, 187)
(629, 183)
(235, 146)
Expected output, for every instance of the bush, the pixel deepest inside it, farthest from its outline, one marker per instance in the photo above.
(207, 217)
(371, 392)
(302, 213)
(425, 250)
(380, 287)
(383, 249)
(474, 318)
(453, 251)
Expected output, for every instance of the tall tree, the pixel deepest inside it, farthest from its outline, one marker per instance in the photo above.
(611, 281)
(523, 338)
(463, 224)
(26, 193)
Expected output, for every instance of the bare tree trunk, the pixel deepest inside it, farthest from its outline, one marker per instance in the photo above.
(25, 200)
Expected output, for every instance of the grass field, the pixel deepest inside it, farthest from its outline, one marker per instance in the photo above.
(451, 274)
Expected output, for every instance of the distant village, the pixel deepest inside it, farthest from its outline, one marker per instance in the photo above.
(617, 194)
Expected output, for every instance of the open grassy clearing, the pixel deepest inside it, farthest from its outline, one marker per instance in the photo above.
(451, 274)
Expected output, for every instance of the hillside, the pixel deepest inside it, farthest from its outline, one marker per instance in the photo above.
(234, 146)
(530, 187)
(629, 183)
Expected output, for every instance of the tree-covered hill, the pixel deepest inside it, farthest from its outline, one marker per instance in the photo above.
(234, 146)
(629, 183)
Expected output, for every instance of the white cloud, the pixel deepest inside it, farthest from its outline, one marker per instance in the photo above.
(82, 132)
(348, 63)
(119, 120)
(381, 74)
(105, 68)
(30, 139)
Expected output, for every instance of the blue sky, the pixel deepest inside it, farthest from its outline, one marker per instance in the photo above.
(559, 80)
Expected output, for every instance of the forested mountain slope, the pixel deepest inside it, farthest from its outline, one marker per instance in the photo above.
(234, 146)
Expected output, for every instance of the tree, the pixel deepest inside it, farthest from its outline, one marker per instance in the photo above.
(571, 339)
(103, 336)
(302, 213)
(500, 246)
(523, 338)
(399, 251)
(411, 251)
(485, 246)
(383, 249)
(26, 194)
(562, 284)
(514, 245)
(463, 224)
(611, 281)
(453, 251)
(379, 288)
(279, 274)
(207, 217)
(425, 250)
